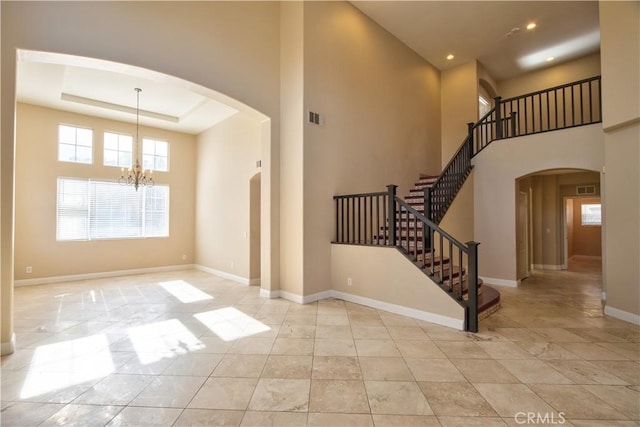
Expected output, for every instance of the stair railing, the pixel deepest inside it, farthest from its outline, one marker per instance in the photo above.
(384, 219)
(561, 107)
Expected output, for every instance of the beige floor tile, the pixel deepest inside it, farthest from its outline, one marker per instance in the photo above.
(27, 414)
(396, 398)
(558, 335)
(484, 371)
(442, 333)
(376, 348)
(115, 389)
(584, 372)
(419, 349)
(336, 368)
(520, 334)
(471, 422)
(392, 319)
(332, 331)
(169, 392)
(624, 399)
(626, 370)
(338, 396)
(240, 366)
(405, 420)
(462, 350)
(603, 423)
(545, 350)
(208, 418)
(297, 331)
(224, 393)
(385, 369)
(455, 399)
(592, 351)
(83, 415)
(365, 319)
(534, 371)
(436, 370)
(504, 350)
(370, 332)
(509, 399)
(334, 347)
(292, 367)
(630, 351)
(252, 346)
(138, 417)
(293, 346)
(407, 333)
(283, 419)
(333, 320)
(214, 345)
(308, 319)
(280, 395)
(576, 402)
(343, 420)
(194, 364)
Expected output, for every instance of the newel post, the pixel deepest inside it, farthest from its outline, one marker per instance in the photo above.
(392, 213)
(498, 100)
(472, 288)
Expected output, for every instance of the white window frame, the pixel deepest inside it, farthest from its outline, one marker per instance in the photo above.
(584, 217)
(150, 157)
(74, 144)
(118, 151)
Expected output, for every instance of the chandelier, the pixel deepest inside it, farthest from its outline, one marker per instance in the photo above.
(136, 175)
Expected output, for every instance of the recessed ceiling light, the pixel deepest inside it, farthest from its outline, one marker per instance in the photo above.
(531, 26)
(450, 57)
(549, 59)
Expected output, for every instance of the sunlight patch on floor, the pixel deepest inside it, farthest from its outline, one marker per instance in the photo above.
(154, 341)
(229, 323)
(185, 292)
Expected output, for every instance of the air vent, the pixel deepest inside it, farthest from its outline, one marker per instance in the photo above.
(315, 118)
(585, 190)
(258, 163)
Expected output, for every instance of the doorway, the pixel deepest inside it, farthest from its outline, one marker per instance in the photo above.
(254, 229)
(522, 235)
(582, 229)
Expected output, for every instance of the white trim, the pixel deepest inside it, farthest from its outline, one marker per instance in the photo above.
(547, 267)
(603, 296)
(317, 296)
(100, 275)
(233, 277)
(9, 346)
(265, 293)
(500, 282)
(622, 315)
(402, 310)
(292, 297)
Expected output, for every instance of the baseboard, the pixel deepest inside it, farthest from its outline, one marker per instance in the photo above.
(9, 346)
(100, 275)
(318, 296)
(224, 274)
(500, 282)
(584, 257)
(265, 293)
(547, 267)
(622, 315)
(402, 310)
(603, 296)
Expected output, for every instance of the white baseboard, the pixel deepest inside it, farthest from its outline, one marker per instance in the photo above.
(402, 310)
(369, 302)
(100, 275)
(603, 296)
(622, 315)
(9, 346)
(500, 282)
(224, 274)
(547, 267)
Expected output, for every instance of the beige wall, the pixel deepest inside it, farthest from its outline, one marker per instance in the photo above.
(458, 221)
(496, 170)
(226, 162)
(459, 106)
(37, 169)
(571, 71)
(380, 102)
(586, 239)
(384, 274)
(620, 47)
(206, 43)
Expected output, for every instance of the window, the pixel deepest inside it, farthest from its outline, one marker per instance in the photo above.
(89, 209)
(75, 144)
(484, 106)
(591, 214)
(118, 149)
(155, 154)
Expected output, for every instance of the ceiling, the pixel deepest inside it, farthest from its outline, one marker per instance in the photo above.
(483, 30)
(486, 30)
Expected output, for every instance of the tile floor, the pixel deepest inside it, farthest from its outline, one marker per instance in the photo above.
(187, 348)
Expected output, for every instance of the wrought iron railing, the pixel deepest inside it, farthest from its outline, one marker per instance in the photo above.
(383, 219)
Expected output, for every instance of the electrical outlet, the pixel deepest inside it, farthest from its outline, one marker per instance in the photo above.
(29, 269)
(349, 281)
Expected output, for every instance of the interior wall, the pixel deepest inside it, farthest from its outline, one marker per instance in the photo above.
(566, 72)
(620, 46)
(206, 43)
(570, 226)
(226, 163)
(586, 239)
(496, 170)
(380, 104)
(254, 228)
(37, 170)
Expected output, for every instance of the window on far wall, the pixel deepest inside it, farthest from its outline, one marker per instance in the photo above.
(591, 214)
(90, 209)
(118, 149)
(155, 154)
(75, 144)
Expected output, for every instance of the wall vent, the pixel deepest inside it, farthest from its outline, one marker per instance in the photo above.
(586, 190)
(259, 163)
(315, 118)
